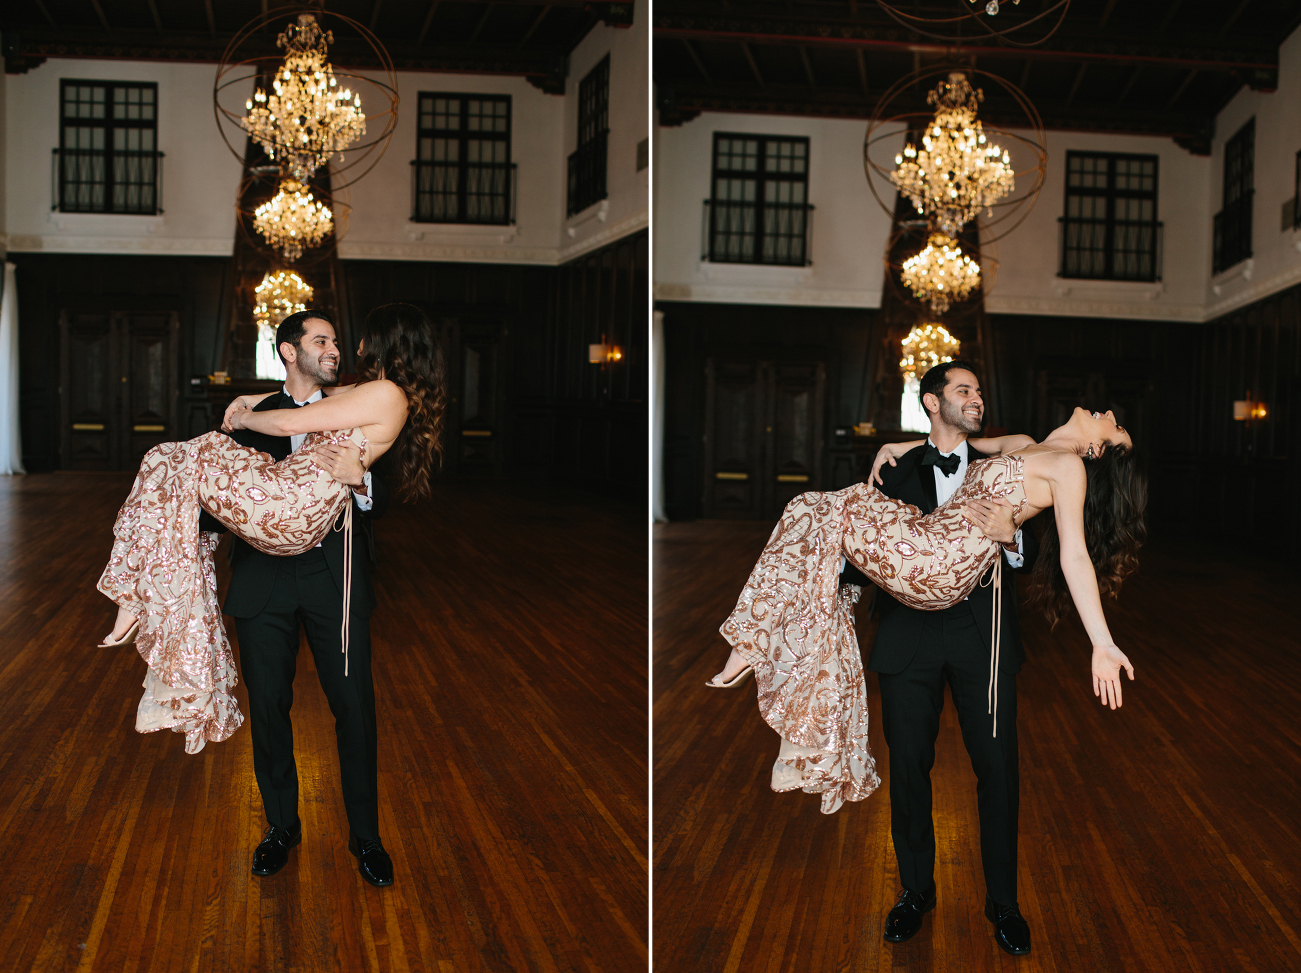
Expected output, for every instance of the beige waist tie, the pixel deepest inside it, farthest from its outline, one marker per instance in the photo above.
(347, 579)
(995, 634)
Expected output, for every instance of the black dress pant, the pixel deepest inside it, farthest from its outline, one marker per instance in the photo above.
(305, 594)
(951, 651)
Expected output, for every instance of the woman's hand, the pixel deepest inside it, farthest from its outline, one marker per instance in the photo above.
(1108, 660)
(235, 419)
(888, 453)
(241, 402)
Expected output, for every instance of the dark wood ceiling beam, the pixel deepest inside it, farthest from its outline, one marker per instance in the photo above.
(478, 29)
(429, 19)
(1169, 15)
(158, 21)
(695, 58)
(374, 13)
(99, 12)
(46, 14)
(1106, 13)
(1075, 85)
(754, 65)
(1233, 17)
(212, 20)
(537, 22)
(1025, 75)
(1129, 85)
(862, 70)
(1183, 86)
(808, 66)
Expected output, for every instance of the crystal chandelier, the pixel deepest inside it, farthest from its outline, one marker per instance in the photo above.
(307, 117)
(957, 172)
(293, 220)
(278, 296)
(941, 274)
(926, 346)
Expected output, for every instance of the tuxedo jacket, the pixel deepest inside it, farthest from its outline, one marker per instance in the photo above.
(253, 572)
(900, 629)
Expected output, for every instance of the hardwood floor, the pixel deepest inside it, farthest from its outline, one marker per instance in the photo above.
(510, 671)
(1163, 836)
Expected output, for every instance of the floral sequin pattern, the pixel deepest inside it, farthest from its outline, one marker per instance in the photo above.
(794, 622)
(161, 566)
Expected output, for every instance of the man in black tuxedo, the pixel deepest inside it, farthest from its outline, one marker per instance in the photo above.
(270, 597)
(917, 652)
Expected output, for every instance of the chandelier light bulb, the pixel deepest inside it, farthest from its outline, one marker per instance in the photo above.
(941, 274)
(293, 220)
(304, 123)
(957, 173)
(926, 346)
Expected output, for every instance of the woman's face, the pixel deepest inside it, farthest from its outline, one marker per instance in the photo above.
(1103, 430)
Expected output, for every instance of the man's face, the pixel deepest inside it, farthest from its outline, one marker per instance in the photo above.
(316, 356)
(960, 404)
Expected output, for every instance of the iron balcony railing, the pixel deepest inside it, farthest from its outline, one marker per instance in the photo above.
(1231, 234)
(450, 192)
(744, 232)
(1110, 250)
(587, 169)
(100, 181)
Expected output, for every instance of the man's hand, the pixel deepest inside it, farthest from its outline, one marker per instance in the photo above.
(994, 517)
(341, 462)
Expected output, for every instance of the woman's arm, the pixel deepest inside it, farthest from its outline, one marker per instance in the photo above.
(888, 453)
(242, 402)
(364, 405)
(999, 445)
(1067, 481)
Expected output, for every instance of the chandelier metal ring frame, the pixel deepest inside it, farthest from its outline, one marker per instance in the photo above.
(238, 76)
(914, 21)
(340, 209)
(1012, 210)
(959, 309)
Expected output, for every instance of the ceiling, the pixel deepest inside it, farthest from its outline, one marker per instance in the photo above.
(1157, 67)
(511, 37)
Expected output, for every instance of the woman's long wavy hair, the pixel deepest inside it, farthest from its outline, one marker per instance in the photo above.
(401, 345)
(1114, 503)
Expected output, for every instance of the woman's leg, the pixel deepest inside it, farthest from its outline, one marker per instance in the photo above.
(125, 620)
(735, 663)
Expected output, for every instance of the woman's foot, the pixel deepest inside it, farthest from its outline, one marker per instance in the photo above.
(733, 673)
(126, 621)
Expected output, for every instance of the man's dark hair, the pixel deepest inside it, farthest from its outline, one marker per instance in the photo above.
(292, 330)
(933, 382)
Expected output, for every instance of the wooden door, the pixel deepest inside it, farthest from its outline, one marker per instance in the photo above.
(117, 388)
(474, 350)
(796, 433)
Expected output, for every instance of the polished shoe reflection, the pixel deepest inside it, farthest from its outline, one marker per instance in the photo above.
(1011, 931)
(373, 862)
(272, 852)
(906, 917)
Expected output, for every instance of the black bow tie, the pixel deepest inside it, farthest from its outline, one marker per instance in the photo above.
(933, 457)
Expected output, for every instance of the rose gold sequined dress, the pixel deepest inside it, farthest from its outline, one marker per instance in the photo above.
(161, 566)
(794, 622)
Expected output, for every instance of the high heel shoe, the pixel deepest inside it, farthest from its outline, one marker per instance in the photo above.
(733, 682)
(128, 638)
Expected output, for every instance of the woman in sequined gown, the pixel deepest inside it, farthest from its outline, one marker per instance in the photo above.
(793, 623)
(160, 572)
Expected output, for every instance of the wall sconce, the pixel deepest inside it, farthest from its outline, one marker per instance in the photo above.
(602, 354)
(1247, 410)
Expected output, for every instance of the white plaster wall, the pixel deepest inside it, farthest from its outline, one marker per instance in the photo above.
(1275, 262)
(849, 228)
(200, 176)
(628, 207)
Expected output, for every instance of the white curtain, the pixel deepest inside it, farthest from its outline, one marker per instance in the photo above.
(11, 446)
(657, 418)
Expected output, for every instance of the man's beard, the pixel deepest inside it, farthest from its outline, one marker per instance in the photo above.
(952, 413)
(313, 369)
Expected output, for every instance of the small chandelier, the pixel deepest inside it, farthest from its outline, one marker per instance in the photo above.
(941, 274)
(293, 220)
(957, 172)
(926, 346)
(278, 296)
(308, 117)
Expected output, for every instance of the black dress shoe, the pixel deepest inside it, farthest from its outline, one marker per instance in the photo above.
(273, 852)
(906, 917)
(373, 861)
(1011, 931)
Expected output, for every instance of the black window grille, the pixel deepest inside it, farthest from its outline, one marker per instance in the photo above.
(759, 212)
(108, 159)
(1232, 226)
(587, 166)
(1110, 230)
(462, 172)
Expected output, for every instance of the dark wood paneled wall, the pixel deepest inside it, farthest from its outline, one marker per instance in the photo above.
(549, 412)
(1175, 384)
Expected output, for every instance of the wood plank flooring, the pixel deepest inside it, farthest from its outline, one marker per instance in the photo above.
(1163, 836)
(510, 670)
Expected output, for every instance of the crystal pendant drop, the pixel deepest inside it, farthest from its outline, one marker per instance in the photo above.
(991, 8)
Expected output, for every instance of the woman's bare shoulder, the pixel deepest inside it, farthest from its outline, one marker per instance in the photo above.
(1056, 464)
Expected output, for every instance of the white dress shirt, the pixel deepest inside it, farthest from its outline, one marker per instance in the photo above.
(364, 501)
